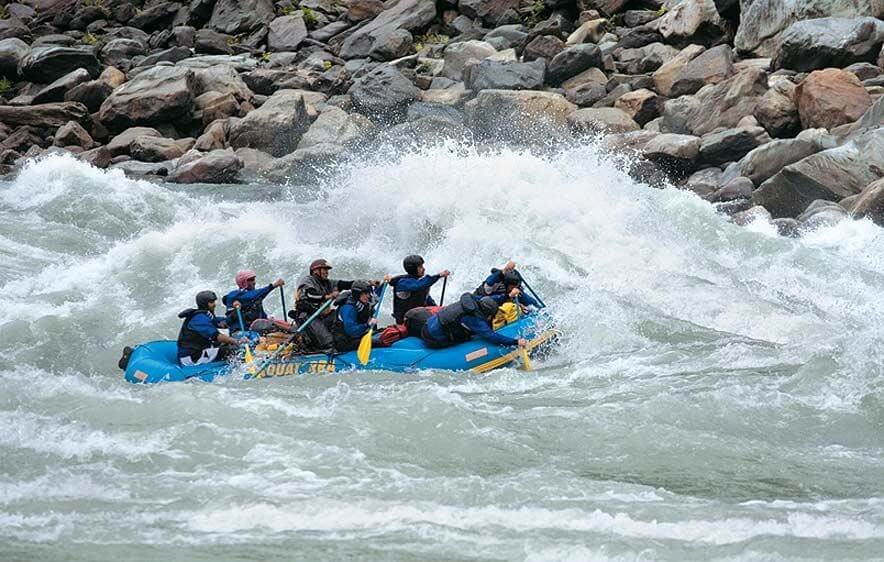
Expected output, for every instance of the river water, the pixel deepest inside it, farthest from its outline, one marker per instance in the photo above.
(717, 393)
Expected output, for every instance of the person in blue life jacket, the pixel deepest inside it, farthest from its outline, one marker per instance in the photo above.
(412, 290)
(199, 340)
(505, 285)
(457, 323)
(250, 299)
(354, 316)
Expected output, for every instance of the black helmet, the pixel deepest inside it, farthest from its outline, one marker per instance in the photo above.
(512, 278)
(411, 263)
(488, 307)
(203, 298)
(359, 287)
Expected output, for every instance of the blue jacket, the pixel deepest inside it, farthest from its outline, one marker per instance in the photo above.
(198, 332)
(251, 303)
(478, 326)
(349, 318)
(495, 283)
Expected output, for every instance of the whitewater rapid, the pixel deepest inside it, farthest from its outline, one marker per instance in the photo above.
(717, 393)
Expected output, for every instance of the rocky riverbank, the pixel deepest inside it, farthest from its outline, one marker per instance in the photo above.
(770, 109)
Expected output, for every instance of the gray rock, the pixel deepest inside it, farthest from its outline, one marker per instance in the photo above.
(287, 33)
(212, 42)
(831, 174)
(276, 127)
(665, 76)
(787, 227)
(214, 137)
(154, 17)
(12, 51)
(696, 21)
(864, 70)
(674, 152)
(753, 214)
(763, 21)
(370, 40)
(91, 94)
(642, 105)
(768, 159)
(218, 166)
(336, 126)
(172, 55)
(457, 55)
(586, 95)
(154, 149)
(512, 36)
(644, 59)
(492, 12)
(730, 145)
(710, 67)
(502, 75)
(120, 52)
(212, 106)
(421, 110)
(224, 79)
(639, 37)
(602, 120)
(99, 157)
(572, 61)
(826, 42)
(522, 117)
(704, 182)
(136, 169)
(47, 115)
(46, 64)
(714, 106)
(821, 213)
(423, 132)
(776, 110)
(158, 95)
(383, 94)
(120, 144)
(543, 47)
(73, 134)
(737, 188)
(14, 28)
(56, 91)
(306, 165)
(240, 16)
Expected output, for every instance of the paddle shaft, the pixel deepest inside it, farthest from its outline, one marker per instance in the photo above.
(300, 329)
(533, 292)
(242, 326)
(526, 361)
(442, 298)
(282, 298)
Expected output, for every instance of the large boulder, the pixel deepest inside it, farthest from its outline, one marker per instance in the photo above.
(763, 21)
(821, 213)
(766, 160)
(423, 132)
(121, 143)
(240, 16)
(305, 165)
(73, 134)
(47, 64)
(336, 126)
(372, 39)
(826, 42)
(57, 90)
(218, 166)
(120, 52)
(224, 79)
(667, 73)
(162, 94)
(212, 106)
(694, 21)
(776, 110)
(710, 67)
(602, 120)
(543, 47)
(831, 97)
(155, 149)
(714, 106)
(642, 105)
(276, 127)
(830, 175)
(572, 61)
(383, 94)
(518, 116)
(505, 75)
(457, 55)
(676, 153)
(286, 33)
(870, 203)
(47, 115)
(12, 51)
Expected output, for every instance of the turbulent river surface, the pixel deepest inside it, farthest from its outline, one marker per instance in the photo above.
(717, 394)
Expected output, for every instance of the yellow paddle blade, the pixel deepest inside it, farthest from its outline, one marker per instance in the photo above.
(248, 355)
(364, 350)
(526, 361)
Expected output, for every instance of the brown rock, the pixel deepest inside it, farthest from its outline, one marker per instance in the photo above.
(215, 105)
(214, 137)
(154, 149)
(602, 120)
(831, 97)
(776, 110)
(161, 94)
(72, 133)
(671, 150)
(359, 10)
(47, 115)
(218, 166)
(589, 32)
(711, 67)
(642, 105)
(120, 144)
(543, 47)
(667, 73)
(99, 157)
(870, 203)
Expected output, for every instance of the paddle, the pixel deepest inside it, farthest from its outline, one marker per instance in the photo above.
(534, 293)
(282, 298)
(242, 328)
(442, 298)
(363, 353)
(523, 351)
(300, 329)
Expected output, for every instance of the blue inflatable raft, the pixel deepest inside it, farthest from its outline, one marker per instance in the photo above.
(157, 361)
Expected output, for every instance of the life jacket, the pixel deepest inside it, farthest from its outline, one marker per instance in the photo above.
(403, 301)
(317, 285)
(450, 318)
(250, 310)
(506, 314)
(190, 342)
(416, 319)
(344, 341)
